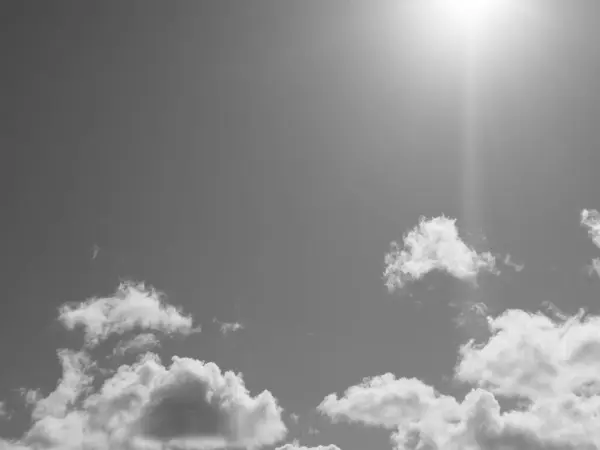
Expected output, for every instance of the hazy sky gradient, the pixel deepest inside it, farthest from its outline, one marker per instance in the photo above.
(253, 160)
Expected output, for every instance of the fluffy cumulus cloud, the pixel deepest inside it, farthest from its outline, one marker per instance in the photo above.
(434, 244)
(546, 368)
(145, 405)
(133, 306)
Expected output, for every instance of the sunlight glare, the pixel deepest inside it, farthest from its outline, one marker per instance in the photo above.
(469, 17)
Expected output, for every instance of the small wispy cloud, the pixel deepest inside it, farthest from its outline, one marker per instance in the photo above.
(30, 396)
(434, 244)
(95, 251)
(551, 310)
(471, 315)
(510, 263)
(594, 267)
(313, 431)
(140, 343)
(294, 417)
(228, 327)
(4, 414)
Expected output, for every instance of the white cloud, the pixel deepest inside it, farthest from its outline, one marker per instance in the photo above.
(228, 327)
(294, 417)
(510, 263)
(297, 446)
(590, 218)
(71, 386)
(188, 404)
(548, 364)
(434, 244)
(471, 315)
(532, 356)
(382, 401)
(594, 267)
(95, 251)
(133, 306)
(137, 344)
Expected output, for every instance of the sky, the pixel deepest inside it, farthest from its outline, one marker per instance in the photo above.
(298, 225)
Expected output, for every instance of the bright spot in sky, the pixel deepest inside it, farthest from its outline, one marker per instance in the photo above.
(470, 14)
(468, 17)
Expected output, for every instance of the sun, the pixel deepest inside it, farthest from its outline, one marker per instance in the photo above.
(469, 16)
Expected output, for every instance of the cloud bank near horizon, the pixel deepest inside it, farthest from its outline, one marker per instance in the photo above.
(546, 368)
(533, 381)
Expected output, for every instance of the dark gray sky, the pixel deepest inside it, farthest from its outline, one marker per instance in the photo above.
(253, 160)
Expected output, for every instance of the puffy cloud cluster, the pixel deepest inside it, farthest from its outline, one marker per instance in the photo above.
(434, 244)
(545, 369)
(133, 306)
(145, 405)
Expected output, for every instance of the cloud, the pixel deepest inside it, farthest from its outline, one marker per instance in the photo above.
(30, 396)
(190, 404)
(471, 315)
(531, 356)
(74, 381)
(294, 417)
(590, 218)
(434, 244)
(382, 401)
(4, 414)
(140, 343)
(133, 306)
(545, 365)
(510, 263)
(297, 446)
(145, 405)
(594, 267)
(95, 251)
(228, 327)
(195, 399)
